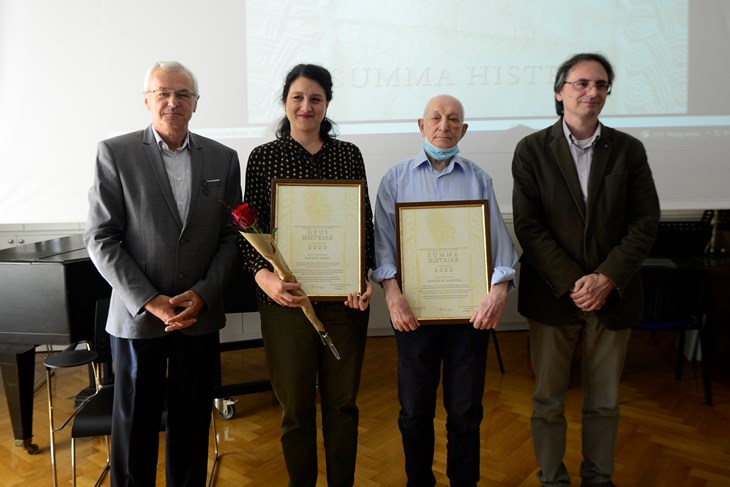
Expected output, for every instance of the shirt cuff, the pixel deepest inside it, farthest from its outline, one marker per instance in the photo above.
(503, 274)
(387, 271)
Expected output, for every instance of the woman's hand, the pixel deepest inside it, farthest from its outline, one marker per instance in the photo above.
(281, 292)
(360, 301)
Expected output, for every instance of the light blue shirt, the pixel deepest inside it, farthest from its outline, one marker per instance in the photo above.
(415, 180)
(179, 167)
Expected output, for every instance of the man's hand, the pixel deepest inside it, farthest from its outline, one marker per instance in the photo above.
(187, 305)
(176, 312)
(590, 292)
(401, 315)
(489, 312)
(282, 292)
(360, 301)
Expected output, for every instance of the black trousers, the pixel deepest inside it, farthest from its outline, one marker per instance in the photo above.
(461, 351)
(177, 372)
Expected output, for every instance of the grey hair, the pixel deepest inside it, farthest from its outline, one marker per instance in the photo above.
(169, 66)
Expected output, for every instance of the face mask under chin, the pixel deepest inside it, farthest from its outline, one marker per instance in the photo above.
(439, 154)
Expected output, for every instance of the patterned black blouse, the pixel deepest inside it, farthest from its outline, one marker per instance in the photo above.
(285, 158)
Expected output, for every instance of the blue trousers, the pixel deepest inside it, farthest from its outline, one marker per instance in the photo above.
(177, 370)
(462, 352)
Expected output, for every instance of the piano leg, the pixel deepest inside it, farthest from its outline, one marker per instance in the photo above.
(18, 370)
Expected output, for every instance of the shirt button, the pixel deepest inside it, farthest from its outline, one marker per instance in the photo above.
(181, 276)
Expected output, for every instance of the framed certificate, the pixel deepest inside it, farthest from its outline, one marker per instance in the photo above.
(320, 231)
(444, 258)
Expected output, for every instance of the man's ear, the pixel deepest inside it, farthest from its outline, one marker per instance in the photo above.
(464, 127)
(420, 126)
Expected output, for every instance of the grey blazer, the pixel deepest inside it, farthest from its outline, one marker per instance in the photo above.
(564, 238)
(137, 241)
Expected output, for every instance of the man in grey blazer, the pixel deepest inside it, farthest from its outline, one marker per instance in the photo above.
(585, 213)
(159, 231)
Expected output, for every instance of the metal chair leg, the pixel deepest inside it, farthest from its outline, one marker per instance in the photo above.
(73, 461)
(499, 354)
(706, 364)
(50, 427)
(104, 470)
(680, 355)
(214, 467)
(68, 358)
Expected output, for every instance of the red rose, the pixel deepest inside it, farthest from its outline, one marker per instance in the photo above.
(244, 217)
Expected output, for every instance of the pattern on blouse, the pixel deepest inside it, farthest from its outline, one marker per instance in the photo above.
(287, 159)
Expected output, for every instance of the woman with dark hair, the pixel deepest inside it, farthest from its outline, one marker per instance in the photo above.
(299, 364)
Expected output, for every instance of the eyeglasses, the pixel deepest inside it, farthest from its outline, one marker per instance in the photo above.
(585, 85)
(183, 95)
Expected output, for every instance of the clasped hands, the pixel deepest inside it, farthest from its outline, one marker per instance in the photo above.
(176, 312)
(589, 293)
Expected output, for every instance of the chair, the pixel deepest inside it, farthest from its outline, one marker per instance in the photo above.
(674, 301)
(91, 415)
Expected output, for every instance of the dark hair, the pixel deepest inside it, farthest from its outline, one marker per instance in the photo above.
(568, 65)
(322, 77)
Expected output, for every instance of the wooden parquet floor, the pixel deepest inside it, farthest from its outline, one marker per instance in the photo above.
(668, 436)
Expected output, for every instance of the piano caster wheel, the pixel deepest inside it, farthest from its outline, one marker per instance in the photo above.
(226, 408)
(30, 448)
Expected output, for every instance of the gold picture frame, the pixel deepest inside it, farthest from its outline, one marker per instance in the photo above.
(320, 231)
(444, 258)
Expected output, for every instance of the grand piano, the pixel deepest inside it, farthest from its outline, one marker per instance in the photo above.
(48, 292)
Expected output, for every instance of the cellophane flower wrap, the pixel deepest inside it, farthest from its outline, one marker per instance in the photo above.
(244, 219)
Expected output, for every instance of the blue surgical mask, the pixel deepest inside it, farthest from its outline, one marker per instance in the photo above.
(439, 154)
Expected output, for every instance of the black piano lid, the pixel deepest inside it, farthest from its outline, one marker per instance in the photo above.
(48, 292)
(61, 272)
(64, 249)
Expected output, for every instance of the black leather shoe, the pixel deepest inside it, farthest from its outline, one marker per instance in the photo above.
(588, 483)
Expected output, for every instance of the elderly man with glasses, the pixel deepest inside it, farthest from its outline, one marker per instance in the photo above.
(159, 231)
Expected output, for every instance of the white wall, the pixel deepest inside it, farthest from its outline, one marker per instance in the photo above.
(71, 75)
